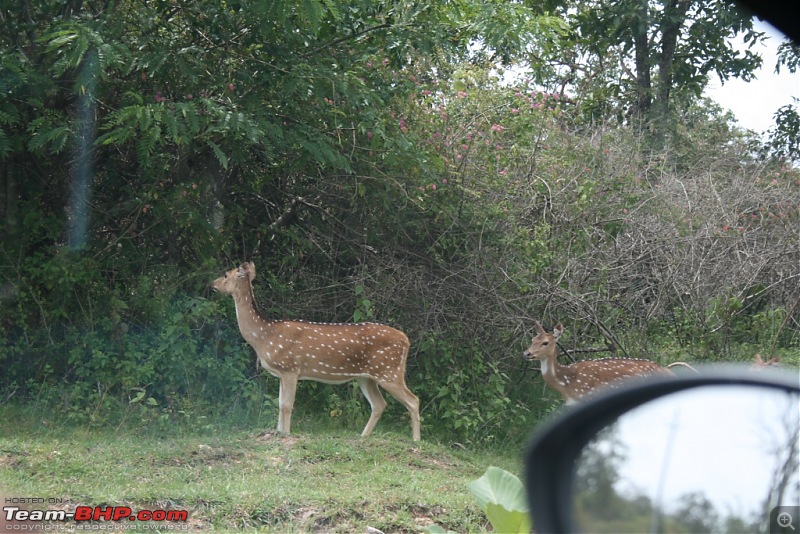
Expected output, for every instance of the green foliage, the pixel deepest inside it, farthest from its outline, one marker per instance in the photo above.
(784, 138)
(364, 309)
(184, 361)
(469, 397)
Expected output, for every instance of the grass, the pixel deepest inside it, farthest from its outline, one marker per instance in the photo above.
(235, 479)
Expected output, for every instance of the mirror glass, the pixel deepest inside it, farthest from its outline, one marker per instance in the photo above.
(709, 459)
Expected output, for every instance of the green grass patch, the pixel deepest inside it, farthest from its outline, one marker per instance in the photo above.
(242, 479)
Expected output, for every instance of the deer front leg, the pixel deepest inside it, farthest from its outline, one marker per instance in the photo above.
(286, 402)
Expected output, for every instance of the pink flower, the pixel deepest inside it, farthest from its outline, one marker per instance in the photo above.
(498, 128)
(514, 110)
(462, 94)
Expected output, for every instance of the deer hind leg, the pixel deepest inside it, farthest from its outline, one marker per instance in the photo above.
(286, 402)
(399, 391)
(376, 401)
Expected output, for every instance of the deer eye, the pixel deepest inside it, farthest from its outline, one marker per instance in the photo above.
(545, 343)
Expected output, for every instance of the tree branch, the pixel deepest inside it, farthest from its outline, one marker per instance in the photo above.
(343, 39)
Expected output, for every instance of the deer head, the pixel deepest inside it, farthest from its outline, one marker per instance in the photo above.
(581, 379)
(236, 279)
(544, 346)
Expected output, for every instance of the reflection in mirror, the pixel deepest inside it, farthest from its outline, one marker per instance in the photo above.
(709, 459)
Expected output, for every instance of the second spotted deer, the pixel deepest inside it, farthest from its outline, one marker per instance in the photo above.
(369, 353)
(759, 364)
(578, 380)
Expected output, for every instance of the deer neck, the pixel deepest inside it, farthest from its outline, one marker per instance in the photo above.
(251, 324)
(554, 375)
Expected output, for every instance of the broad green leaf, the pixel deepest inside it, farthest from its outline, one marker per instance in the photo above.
(436, 529)
(504, 520)
(501, 495)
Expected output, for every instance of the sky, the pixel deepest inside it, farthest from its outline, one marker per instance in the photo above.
(755, 103)
(721, 441)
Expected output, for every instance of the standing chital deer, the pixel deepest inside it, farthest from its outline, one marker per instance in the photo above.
(759, 364)
(583, 378)
(369, 353)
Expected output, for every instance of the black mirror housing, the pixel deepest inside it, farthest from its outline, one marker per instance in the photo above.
(551, 456)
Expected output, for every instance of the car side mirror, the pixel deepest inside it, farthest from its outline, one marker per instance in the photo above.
(716, 452)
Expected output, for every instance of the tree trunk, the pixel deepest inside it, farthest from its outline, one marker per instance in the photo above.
(9, 193)
(644, 89)
(674, 17)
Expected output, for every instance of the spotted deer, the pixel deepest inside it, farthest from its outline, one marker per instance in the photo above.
(578, 380)
(371, 354)
(759, 364)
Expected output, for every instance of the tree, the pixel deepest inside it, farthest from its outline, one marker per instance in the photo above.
(697, 513)
(642, 55)
(784, 137)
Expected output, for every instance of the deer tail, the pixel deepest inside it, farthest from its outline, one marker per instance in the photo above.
(683, 364)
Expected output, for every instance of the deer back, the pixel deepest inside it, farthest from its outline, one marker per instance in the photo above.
(334, 352)
(584, 377)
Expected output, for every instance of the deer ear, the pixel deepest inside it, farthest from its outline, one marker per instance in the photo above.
(539, 328)
(558, 330)
(758, 359)
(250, 268)
(240, 272)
